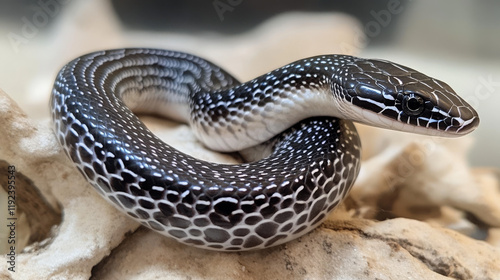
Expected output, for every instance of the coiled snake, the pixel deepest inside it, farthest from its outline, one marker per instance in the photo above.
(302, 112)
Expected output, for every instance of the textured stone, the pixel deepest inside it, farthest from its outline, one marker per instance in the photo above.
(340, 249)
(427, 179)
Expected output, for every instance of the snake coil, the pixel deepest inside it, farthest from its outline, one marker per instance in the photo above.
(302, 111)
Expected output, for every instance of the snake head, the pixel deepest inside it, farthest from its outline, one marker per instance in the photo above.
(393, 96)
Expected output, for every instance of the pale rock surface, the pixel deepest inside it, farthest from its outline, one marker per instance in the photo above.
(339, 249)
(417, 178)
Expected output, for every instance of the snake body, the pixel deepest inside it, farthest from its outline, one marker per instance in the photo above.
(302, 111)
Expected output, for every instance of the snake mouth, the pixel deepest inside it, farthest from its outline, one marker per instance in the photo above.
(449, 127)
(465, 127)
(461, 121)
(428, 118)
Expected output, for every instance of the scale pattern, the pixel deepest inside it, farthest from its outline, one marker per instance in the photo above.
(312, 166)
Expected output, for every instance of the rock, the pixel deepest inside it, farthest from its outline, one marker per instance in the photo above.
(340, 249)
(426, 179)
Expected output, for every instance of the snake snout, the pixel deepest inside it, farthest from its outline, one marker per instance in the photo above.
(459, 117)
(465, 121)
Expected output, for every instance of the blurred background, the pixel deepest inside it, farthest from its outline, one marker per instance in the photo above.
(454, 40)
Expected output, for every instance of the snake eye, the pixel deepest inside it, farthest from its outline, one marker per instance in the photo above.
(413, 104)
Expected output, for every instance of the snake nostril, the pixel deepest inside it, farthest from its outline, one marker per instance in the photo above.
(456, 122)
(468, 113)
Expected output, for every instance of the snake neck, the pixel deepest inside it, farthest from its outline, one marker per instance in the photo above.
(229, 116)
(255, 111)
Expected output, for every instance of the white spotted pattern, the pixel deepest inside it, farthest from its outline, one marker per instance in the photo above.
(311, 167)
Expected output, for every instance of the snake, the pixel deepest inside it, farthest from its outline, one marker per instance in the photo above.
(297, 119)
